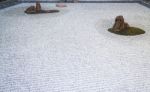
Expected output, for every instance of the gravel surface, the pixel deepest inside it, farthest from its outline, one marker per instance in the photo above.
(72, 51)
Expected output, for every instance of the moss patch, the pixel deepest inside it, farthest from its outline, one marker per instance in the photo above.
(128, 32)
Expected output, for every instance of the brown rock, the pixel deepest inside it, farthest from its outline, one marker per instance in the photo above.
(37, 9)
(120, 24)
(31, 9)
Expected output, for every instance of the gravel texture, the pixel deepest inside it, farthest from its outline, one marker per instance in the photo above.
(72, 51)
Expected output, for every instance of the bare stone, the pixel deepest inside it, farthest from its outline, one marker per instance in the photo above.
(37, 9)
(120, 25)
(31, 9)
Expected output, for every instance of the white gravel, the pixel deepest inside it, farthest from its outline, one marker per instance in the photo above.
(72, 51)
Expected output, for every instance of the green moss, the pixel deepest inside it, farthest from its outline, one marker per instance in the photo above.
(129, 31)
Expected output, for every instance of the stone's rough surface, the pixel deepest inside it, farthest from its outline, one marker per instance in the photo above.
(120, 24)
(31, 9)
(37, 9)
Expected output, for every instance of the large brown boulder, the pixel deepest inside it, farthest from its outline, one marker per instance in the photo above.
(122, 28)
(37, 9)
(120, 24)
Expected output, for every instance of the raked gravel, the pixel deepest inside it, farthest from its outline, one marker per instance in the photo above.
(72, 51)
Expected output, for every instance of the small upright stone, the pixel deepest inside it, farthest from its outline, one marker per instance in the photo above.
(38, 7)
(120, 25)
